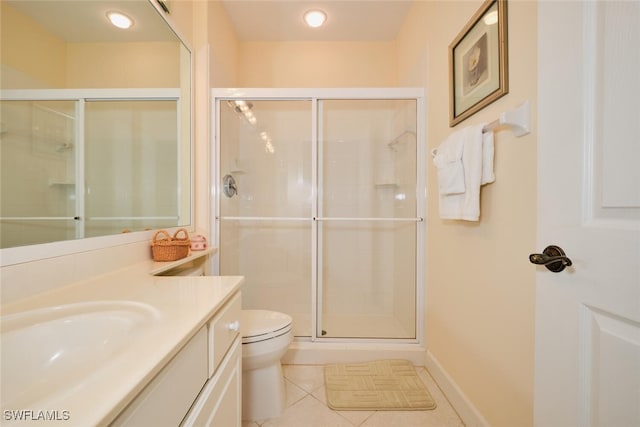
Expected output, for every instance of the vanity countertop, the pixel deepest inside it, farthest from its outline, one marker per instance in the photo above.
(181, 306)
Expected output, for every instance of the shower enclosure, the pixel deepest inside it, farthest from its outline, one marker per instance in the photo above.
(320, 205)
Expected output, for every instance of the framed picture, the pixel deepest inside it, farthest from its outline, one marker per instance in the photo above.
(478, 65)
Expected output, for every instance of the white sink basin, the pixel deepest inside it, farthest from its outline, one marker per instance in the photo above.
(49, 351)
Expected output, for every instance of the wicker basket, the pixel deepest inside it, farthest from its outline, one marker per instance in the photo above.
(167, 248)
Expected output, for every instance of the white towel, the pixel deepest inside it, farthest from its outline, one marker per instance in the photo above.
(477, 169)
(487, 158)
(448, 160)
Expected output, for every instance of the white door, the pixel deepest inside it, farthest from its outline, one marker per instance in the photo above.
(587, 361)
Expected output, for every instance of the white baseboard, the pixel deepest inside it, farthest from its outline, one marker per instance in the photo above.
(308, 353)
(463, 406)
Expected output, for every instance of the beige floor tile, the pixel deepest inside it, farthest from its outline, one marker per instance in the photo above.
(355, 417)
(445, 410)
(320, 394)
(293, 392)
(308, 412)
(306, 406)
(307, 377)
(433, 418)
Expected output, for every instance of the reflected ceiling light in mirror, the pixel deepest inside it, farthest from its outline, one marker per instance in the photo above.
(120, 20)
(315, 18)
(491, 18)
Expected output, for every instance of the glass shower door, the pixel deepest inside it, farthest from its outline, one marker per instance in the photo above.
(265, 205)
(367, 219)
(131, 172)
(38, 148)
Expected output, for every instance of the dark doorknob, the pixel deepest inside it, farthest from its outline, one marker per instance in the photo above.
(553, 257)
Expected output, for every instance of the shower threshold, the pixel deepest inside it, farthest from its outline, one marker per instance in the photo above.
(302, 351)
(373, 327)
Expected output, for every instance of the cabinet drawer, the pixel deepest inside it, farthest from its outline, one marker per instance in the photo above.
(166, 399)
(220, 403)
(223, 329)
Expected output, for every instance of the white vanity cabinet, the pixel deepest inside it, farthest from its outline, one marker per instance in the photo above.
(220, 402)
(202, 384)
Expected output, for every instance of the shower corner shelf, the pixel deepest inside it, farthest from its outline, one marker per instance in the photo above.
(391, 185)
(53, 183)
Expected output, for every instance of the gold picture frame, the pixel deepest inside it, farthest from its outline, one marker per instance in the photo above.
(478, 63)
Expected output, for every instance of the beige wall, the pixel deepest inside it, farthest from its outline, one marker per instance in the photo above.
(43, 60)
(183, 19)
(118, 65)
(480, 291)
(317, 64)
(38, 61)
(224, 47)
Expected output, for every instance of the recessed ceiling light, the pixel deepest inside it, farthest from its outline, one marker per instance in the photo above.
(120, 20)
(315, 18)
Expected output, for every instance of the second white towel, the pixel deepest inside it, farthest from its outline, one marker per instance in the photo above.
(477, 169)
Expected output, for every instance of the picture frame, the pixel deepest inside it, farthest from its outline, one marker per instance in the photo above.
(478, 62)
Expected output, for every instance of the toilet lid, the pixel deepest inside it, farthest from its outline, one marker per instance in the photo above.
(258, 325)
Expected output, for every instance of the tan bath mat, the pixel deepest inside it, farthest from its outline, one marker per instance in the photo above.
(381, 385)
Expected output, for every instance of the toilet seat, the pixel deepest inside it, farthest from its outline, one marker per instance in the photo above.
(261, 325)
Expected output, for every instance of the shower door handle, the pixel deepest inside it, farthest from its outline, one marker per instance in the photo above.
(229, 186)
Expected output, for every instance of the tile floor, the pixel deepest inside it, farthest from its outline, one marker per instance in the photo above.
(306, 406)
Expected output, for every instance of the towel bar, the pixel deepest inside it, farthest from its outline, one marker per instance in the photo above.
(517, 119)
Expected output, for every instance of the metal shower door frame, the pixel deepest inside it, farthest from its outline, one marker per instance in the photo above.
(315, 95)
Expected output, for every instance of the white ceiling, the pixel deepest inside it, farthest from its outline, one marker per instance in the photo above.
(348, 20)
(266, 20)
(85, 21)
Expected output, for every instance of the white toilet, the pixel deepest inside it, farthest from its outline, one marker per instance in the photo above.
(266, 335)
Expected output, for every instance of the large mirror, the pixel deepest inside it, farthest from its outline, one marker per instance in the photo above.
(95, 121)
